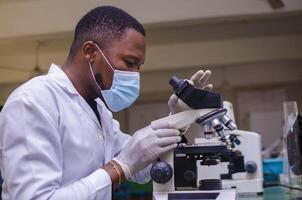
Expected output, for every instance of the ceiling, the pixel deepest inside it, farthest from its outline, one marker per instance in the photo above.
(213, 27)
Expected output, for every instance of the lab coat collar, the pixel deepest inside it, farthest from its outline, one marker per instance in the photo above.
(62, 79)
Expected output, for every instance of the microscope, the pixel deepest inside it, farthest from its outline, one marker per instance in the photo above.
(214, 166)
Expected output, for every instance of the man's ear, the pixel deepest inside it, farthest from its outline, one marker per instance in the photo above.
(89, 51)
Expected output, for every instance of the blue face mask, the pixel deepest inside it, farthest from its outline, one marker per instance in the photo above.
(124, 89)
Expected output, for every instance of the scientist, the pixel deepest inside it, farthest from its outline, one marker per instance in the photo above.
(59, 140)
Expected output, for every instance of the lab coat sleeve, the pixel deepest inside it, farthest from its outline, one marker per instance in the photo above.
(32, 158)
(121, 139)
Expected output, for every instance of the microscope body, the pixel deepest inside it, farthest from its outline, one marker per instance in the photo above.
(193, 172)
(177, 175)
(221, 163)
(197, 168)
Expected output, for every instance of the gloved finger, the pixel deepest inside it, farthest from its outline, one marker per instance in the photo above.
(196, 77)
(191, 82)
(166, 141)
(160, 133)
(162, 125)
(173, 100)
(204, 79)
(168, 148)
(208, 87)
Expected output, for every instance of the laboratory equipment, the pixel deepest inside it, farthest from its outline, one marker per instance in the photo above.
(221, 163)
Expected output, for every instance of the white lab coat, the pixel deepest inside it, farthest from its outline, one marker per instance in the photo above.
(52, 145)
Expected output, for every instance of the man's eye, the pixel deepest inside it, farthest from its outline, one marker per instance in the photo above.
(129, 63)
(132, 64)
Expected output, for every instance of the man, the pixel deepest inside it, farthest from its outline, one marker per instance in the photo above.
(58, 137)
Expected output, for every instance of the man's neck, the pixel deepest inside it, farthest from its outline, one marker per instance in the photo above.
(80, 80)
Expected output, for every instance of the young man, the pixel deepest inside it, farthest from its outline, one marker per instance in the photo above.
(58, 137)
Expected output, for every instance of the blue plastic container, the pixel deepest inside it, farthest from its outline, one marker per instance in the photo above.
(272, 168)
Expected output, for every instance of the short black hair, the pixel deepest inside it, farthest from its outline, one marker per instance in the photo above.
(102, 25)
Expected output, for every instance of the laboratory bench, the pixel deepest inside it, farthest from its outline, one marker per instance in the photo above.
(275, 193)
(270, 193)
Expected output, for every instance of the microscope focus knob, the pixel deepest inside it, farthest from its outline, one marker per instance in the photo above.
(161, 172)
(189, 175)
(250, 167)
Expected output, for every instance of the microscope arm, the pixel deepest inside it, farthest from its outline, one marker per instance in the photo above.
(183, 119)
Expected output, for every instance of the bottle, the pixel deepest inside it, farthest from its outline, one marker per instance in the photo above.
(291, 146)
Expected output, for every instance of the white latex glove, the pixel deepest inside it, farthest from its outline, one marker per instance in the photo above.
(199, 80)
(145, 146)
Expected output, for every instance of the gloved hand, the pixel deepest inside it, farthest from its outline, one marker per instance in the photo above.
(145, 146)
(199, 80)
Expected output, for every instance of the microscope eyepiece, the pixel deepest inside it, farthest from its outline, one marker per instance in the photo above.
(175, 82)
(194, 97)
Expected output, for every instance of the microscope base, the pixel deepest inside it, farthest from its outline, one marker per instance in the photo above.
(208, 195)
(248, 186)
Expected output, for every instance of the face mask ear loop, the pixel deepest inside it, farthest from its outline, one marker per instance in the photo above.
(92, 74)
(104, 56)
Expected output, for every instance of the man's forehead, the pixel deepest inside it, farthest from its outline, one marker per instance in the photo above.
(133, 39)
(132, 44)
